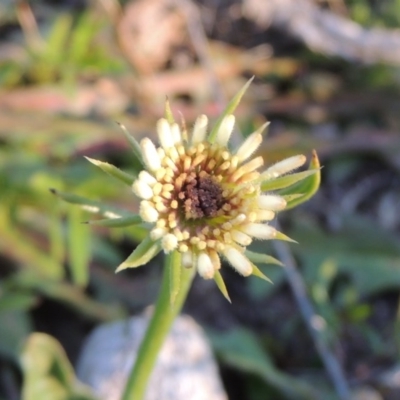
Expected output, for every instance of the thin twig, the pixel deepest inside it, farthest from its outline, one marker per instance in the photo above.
(311, 320)
(200, 43)
(326, 32)
(29, 26)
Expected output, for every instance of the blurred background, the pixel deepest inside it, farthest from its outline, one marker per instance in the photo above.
(327, 77)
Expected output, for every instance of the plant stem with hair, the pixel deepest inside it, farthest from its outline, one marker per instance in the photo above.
(163, 316)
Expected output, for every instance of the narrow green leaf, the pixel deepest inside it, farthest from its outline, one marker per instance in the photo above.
(82, 35)
(70, 295)
(91, 206)
(135, 146)
(28, 255)
(174, 265)
(117, 222)
(230, 108)
(143, 253)
(57, 39)
(285, 181)
(308, 186)
(113, 171)
(257, 272)
(79, 250)
(261, 258)
(168, 112)
(221, 285)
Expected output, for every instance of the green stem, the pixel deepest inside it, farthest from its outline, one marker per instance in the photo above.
(159, 326)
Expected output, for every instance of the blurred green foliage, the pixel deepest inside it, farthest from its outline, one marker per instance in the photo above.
(70, 51)
(48, 373)
(40, 237)
(375, 13)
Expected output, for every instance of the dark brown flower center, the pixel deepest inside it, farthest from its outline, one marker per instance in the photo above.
(202, 197)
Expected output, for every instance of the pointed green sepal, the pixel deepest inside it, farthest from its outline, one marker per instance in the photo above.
(135, 146)
(262, 129)
(113, 171)
(308, 186)
(91, 206)
(262, 258)
(230, 108)
(257, 272)
(221, 285)
(71, 198)
(116, 222)
(143, 253)
(282, 236)
(286, 181)
(168, 112)
(174, 265)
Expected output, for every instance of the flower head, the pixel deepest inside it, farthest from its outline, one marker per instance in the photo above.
(204, 200)
(201, 201)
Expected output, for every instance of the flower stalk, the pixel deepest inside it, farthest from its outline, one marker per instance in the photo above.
(165, 311)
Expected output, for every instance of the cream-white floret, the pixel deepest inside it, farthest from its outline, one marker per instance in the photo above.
(148, 178)
(150, 155)
(284, 167)
(187, 259)
(242, 238)
(176, 134)
(271, 202)
(169, 242)
(205, 266)
(148, 212)
(238, 219)
(199, 129)
(238, 261)
(249, 146)
(260, 231)
(264, 215)
(157, 233)
(225, 130)
(142, 189)
(164, 133)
